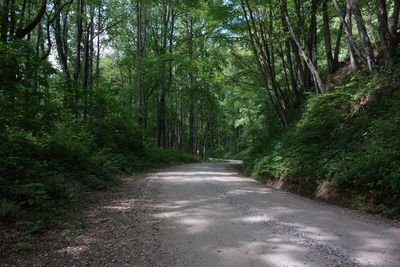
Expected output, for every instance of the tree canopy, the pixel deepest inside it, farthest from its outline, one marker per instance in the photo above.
(93, 87)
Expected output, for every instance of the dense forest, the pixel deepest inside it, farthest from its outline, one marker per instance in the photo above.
(305, 92)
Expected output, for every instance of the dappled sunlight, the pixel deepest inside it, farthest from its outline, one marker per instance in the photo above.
(248, 191)
(371, 244)
(74, 250)
(238, 220)
(121, 206)
(83, 243)
(195, 225)
(203, 173)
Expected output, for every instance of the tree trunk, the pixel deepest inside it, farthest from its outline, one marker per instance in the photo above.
(5, 20)
(319, 85)
(98, 43)
(22, 32)
(384, 33)
(258, 44)
(62, 54)
(327, 37)
(161, 109)
(337, 46)
(77, 70)
(368, 51)
(347, 23)
(191, 145)
(394, 27)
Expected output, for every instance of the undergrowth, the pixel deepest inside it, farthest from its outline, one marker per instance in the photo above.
(43, 169)
(349, 137)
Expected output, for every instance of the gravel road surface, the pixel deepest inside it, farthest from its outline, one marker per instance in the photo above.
(215, 217)
(207, 214)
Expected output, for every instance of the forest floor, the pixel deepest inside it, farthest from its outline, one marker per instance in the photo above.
(206, 214)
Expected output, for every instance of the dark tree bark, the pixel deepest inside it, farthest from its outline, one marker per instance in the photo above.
(337, 46)
(99, 21)
(327, 37)
(165, 83)
(86, 66)
(191, 144)
(312, 36)
(62, 54)
(138, 59)
(77, 67)
(21, 33)
(5, 16)
(384, 33)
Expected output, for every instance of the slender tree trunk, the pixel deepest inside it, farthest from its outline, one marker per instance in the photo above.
(337, 46)
(370, 23)
(394, 27)
(369, 55)
(138, 59)
(77, 70)
(62, 55)
(99, 21)
(327, 37)
(312, 41)
(319, 85)
(86, 69)
(384, 33)
(259, 51)
(161, 120)
(347, 23)
(191, 145)
(5, 15)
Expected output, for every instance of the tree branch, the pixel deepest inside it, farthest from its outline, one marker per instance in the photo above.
(21, 33)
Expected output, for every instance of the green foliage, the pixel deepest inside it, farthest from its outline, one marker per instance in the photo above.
(36, 194)
(31, 227)
(8, 210)
(22, 247)
(349, 135)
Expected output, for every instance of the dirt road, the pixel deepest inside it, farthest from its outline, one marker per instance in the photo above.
(208, 215)
(215, 217)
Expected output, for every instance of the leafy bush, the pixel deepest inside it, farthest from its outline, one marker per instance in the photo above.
(35, 193)
(70, 145)
(8, 210)
(349, 135)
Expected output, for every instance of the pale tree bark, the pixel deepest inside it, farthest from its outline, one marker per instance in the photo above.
(352, 47)
(319, 85)
(348, 27)
(365, 41)
(259, 52)
(394, 27)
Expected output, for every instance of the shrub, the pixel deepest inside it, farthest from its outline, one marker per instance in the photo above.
(8, 210)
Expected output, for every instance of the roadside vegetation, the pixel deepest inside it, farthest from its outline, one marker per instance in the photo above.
(342, 147)
(305, 92)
